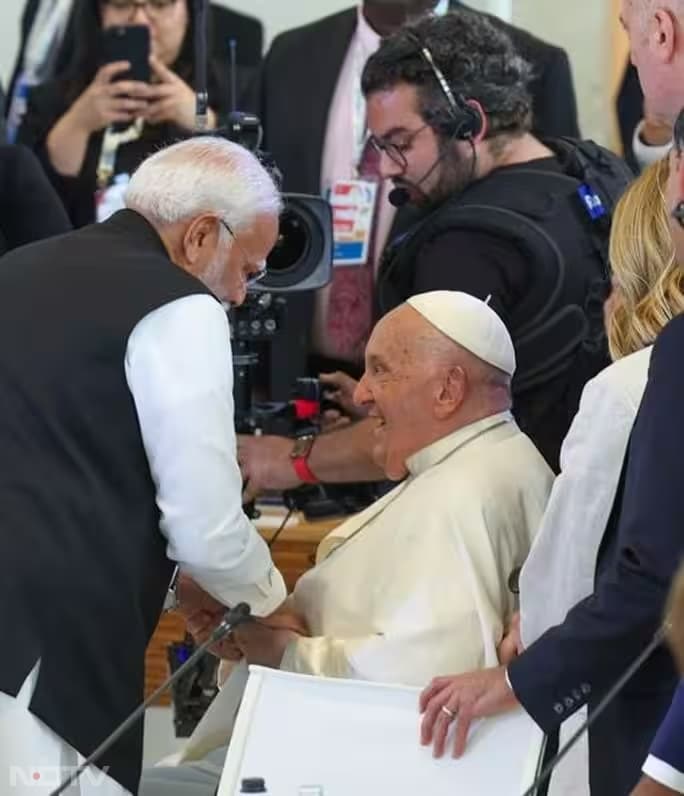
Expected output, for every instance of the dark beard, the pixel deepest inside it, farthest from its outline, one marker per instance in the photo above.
(456, 174)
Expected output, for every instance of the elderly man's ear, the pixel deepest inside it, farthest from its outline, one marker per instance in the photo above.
(452, 393)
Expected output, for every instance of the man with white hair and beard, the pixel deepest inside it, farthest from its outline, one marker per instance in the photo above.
(117, 452)
(423, 574)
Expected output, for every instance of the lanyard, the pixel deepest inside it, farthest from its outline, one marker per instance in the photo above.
(41, 50)
(45, 36)
(111, 142)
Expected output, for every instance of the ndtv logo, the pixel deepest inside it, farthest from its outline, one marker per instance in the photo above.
(52, 776)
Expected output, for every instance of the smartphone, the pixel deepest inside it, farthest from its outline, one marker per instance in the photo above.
(128, 43)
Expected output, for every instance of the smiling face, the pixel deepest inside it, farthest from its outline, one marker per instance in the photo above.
(409, 386)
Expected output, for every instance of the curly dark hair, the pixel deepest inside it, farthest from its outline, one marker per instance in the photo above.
(478, 60)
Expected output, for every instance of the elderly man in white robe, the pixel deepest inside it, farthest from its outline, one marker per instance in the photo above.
(421, 580)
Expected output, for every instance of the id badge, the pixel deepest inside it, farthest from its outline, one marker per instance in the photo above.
(353, 205)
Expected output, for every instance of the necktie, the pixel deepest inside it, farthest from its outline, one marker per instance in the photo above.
(350, 308)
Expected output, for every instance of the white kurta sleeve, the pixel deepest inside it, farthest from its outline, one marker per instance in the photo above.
(179, 370)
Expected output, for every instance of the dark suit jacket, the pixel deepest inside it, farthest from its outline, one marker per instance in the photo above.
(552, 87)
(29, 206)
(630, 111)
(643, 545)
(293, 105)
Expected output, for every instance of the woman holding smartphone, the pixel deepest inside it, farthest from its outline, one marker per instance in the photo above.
(92, 127)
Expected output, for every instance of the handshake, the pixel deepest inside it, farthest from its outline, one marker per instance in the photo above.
(262, 641)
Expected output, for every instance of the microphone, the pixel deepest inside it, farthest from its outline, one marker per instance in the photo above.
(600, 708)
(238, 615)
(400, 196)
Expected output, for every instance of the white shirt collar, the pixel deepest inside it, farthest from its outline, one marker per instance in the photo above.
(367, 38)
(439, 450)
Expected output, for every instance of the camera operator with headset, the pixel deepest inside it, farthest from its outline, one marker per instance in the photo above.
(507, 217)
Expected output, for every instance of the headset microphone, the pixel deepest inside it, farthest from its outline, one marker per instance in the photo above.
(398, 197)
(464, 122)
(401, 195)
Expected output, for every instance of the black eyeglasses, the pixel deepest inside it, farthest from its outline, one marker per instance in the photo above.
(258, 268)
(396, 150)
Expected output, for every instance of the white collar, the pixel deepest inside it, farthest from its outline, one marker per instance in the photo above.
(433, 454)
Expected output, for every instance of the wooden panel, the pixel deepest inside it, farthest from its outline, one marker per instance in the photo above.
(171, 628)
(294, 552)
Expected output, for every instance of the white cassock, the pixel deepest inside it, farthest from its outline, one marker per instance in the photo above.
(561, 566)
(417, 585)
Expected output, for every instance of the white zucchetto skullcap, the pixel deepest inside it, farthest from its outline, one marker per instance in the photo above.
(470, 323)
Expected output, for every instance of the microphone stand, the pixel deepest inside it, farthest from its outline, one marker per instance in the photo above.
(236, 616)
(600, 708)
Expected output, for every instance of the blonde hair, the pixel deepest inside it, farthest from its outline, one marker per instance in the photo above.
(647, 281)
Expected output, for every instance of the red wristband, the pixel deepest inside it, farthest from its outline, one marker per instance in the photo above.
(301, 467)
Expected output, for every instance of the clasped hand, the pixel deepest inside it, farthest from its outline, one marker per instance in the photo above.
(261, 641)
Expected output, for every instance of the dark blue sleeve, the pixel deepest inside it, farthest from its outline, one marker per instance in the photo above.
(669, 743)
(602, 635)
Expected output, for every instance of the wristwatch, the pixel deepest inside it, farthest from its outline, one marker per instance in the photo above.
(299, 456)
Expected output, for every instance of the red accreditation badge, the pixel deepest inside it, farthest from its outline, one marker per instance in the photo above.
(354, 205)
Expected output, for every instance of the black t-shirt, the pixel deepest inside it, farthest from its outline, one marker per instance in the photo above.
(479, 262)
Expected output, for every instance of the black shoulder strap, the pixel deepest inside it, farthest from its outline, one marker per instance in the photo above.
(536, 360)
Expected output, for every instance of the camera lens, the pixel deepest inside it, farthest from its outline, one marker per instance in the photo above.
(293, 243)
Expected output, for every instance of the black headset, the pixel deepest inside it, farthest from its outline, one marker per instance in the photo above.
(464, 122)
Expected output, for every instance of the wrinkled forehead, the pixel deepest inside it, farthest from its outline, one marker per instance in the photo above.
(395, 336)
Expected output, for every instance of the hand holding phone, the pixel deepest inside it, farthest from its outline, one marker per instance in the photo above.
(109, 100)
(171, 100)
